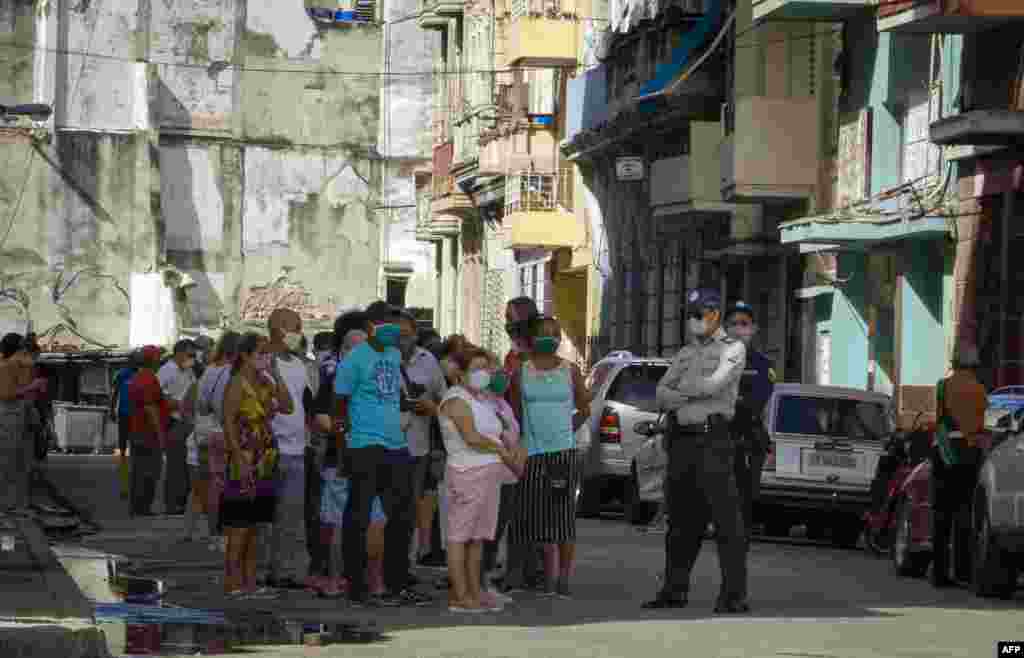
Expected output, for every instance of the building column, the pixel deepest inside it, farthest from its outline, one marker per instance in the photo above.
(920, 333)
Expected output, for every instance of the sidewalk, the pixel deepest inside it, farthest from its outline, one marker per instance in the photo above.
(42, 610)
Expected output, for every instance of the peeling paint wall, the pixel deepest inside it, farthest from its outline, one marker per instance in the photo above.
(164, 153)
(405, 139)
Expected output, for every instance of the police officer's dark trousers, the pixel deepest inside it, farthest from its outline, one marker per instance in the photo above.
(749, 463)
(701, 485)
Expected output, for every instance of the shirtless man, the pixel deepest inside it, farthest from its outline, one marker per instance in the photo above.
(15, 450)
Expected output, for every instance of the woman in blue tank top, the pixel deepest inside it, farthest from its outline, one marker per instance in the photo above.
(551, 403)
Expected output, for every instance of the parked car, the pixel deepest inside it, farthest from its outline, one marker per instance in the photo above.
(1005, 409)
(825, 445)
(987, 541)
(624, 388)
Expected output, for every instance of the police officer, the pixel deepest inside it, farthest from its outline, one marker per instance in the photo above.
(699, 390)
(748, 431)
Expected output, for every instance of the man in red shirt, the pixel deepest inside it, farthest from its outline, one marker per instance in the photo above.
(148, 427)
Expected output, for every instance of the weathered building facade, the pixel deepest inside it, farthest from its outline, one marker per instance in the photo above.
(204, 159)
(675, 129)
(409, 268)
(500, 205)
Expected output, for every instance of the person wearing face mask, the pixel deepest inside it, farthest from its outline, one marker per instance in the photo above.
(699, 391)
(15, 384)
(551, 403)
(177, 377)
(748, 430)
(478, 462)
(288, 555)
(520, 314)
(424, 384)
(368, 389)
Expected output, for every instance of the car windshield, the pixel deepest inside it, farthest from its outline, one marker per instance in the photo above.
(1008, 390)
(816, 416)
(636, 385)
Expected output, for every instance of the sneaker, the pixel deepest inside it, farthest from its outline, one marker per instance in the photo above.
(458, 609)
(499, 597)
(562, 589)
(410, 597)
(548, 589)
(489, 601)
(434, 560)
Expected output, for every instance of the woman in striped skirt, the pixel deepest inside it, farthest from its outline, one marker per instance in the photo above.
(551, 402)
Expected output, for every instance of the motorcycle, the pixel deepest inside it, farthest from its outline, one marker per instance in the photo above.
(903, 452)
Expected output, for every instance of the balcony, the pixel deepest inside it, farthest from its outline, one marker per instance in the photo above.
(809, 10)
(772, 155)
(948, 16)
(980, 128)
(542, 33)
(539, 211)
(517, 147)
(436, 14)
(447, 198)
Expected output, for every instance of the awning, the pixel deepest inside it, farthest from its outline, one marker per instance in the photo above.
(858, 230)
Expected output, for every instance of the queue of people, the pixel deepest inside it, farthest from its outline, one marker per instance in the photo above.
(392, 445)
(398, 447)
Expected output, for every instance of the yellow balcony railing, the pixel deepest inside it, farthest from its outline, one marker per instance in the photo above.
(539, 210)
(543, 33)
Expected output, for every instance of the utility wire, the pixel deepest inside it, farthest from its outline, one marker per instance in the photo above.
(353, 74)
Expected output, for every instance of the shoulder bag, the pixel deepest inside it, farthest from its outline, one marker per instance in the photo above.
(945, 424)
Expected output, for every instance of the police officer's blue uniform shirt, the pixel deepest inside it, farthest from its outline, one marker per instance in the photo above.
(757, 381)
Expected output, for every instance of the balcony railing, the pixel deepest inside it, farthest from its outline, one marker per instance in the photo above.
(538, 192)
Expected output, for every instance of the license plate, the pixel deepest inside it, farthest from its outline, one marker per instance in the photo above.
(822, 459)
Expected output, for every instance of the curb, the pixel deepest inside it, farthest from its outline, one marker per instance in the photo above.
(63, 623)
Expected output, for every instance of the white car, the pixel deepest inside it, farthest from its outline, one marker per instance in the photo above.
(825, 445)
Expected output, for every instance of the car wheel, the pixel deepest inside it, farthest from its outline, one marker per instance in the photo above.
(588, 499)
(907, 563)
(993, 576)
(638, 511)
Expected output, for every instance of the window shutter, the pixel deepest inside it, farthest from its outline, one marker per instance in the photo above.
(542, 91)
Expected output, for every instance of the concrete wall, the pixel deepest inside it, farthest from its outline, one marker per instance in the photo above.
(230, 140)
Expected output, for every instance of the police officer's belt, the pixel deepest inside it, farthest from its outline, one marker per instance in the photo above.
(699, 428)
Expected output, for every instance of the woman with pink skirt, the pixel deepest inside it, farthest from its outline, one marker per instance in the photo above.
(478, 463)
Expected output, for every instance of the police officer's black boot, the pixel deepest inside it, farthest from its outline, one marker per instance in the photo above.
(731, 606)
(666, 600)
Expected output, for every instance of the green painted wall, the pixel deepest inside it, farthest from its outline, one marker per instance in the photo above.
(921, 295)
(849, 329)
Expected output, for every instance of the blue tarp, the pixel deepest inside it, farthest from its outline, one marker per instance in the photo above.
(665, 73)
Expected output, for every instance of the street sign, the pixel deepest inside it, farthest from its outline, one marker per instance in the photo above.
(628, 168)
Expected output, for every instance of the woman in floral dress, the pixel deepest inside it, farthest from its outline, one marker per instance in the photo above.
(255, 394)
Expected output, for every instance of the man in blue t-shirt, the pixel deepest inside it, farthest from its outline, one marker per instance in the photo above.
(121, 402)
(368, 386)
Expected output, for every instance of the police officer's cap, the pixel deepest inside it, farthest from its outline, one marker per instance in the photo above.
(740, 307)
(703, 298)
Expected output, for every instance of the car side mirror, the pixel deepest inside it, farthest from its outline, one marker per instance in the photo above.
(646, 428)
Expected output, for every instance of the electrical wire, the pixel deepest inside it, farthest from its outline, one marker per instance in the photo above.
(352, 74)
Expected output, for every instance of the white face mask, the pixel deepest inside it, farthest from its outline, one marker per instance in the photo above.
(697, 327)
(479, 380)
(744, 334)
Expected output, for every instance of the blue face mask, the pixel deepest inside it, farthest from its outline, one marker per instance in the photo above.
(387, 335)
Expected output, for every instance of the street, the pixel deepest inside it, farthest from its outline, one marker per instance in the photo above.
(809, 600)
